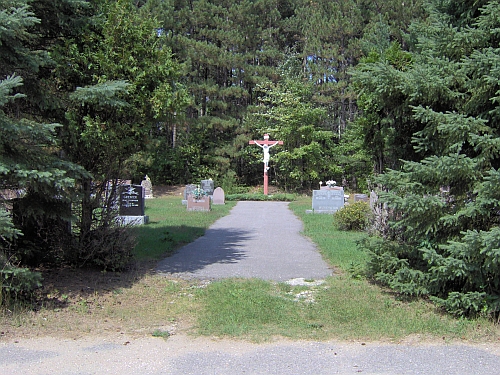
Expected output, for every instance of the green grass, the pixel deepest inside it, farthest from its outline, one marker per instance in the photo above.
(338, 247)
(172, 226)
(345, 307)
(342, 308)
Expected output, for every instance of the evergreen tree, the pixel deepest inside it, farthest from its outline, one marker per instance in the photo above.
(228, 48)
(384, 95)
(442, 238)
(284, 110)
(333, 37)
(34, 224)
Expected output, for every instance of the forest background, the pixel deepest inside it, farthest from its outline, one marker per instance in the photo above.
(397, 96)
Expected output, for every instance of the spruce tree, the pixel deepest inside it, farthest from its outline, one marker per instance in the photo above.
(442, 234)
(36, 183)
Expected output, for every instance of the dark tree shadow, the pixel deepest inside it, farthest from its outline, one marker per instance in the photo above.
(216, 246)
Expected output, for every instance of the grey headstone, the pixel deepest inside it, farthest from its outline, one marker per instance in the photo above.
(219, 196)
(148, 187)
(208, 186)
(188, 190)
(131, 200)
(328, 200)
(361, 197)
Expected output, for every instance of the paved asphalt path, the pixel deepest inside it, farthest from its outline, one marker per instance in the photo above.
(257, 239)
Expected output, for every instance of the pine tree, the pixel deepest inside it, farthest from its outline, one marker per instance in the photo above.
(228, 47)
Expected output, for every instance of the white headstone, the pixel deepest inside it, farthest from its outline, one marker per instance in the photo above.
(218, 197)
(148, 187)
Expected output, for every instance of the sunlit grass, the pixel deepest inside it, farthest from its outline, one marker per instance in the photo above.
(171, 226)
(345, 307)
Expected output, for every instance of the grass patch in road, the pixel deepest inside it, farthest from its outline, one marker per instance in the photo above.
(237, 308)
(172, 226)
(342, 308)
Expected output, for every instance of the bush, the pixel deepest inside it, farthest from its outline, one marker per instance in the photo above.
(108, 247)
(354, 216)
(17, 283)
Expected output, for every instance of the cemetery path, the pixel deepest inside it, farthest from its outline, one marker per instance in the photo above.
(256, 240)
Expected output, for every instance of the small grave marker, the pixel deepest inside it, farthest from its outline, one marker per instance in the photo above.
(148, 187)
(361, 197)
(219, 197)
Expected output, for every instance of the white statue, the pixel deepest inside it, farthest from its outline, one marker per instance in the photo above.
(266, 148)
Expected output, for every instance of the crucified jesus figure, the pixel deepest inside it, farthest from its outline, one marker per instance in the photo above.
(266, 148)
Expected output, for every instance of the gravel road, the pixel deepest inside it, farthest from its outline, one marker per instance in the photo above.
(200, 356)
(257, 239)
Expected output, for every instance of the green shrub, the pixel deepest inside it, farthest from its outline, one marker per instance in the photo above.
(354, 216)
(17, 283)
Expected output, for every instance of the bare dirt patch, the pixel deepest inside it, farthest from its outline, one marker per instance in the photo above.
(165, 190)
(76, 303)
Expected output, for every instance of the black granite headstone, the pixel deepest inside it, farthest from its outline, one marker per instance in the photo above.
(131, 200)
(208, 186)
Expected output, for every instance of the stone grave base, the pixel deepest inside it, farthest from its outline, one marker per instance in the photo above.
(132, 220)
(198, 204)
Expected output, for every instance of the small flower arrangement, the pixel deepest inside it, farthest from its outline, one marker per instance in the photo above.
(199, 193)
(331, 183)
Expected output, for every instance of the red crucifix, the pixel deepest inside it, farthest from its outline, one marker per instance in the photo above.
(266, 144)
